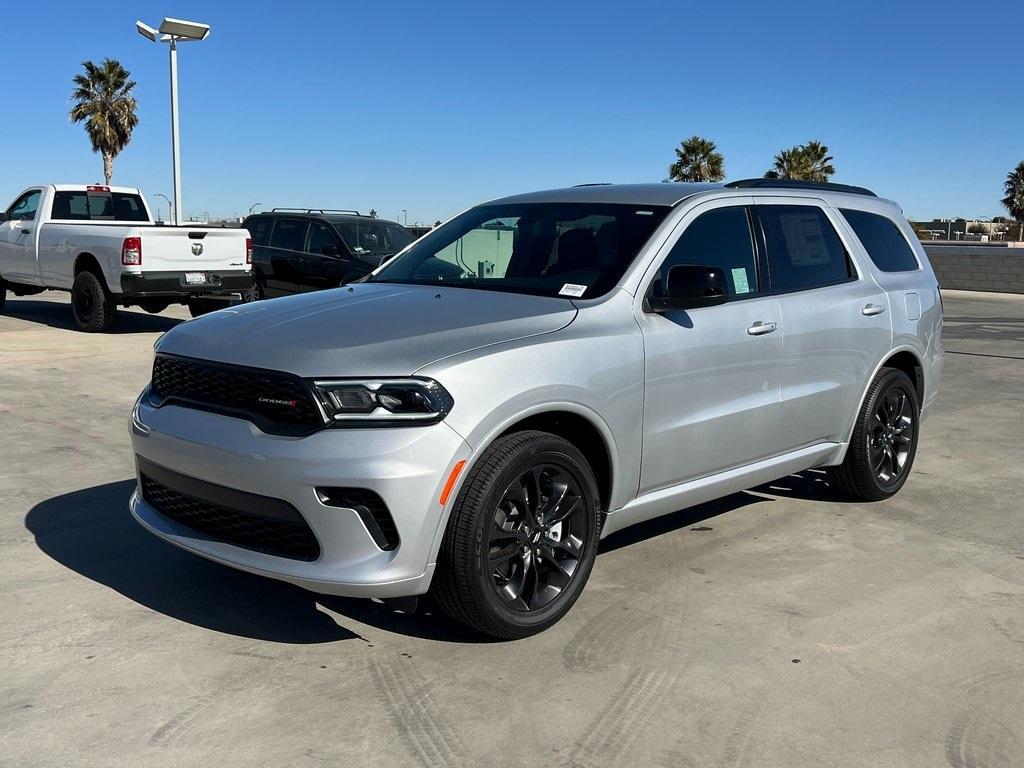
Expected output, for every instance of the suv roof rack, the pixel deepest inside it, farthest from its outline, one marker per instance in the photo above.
(796, 184)
(315, 210)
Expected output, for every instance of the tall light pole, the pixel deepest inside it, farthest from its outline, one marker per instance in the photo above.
(253, 206)
(172, 32)
(170, 205)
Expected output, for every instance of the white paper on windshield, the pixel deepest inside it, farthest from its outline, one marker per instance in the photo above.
(571, 289)
(805, 239)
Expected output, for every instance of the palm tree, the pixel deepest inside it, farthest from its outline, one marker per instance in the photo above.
(1014, 200)
(697, 160)
(804, 162)
(103, 99)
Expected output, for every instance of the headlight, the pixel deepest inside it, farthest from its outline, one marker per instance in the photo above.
(383, 400)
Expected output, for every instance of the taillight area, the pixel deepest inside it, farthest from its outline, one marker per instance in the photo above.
(131, 252)
(248, 250)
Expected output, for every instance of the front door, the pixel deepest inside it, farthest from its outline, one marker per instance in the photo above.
(18, 238)
(837, 320)
(712, 374)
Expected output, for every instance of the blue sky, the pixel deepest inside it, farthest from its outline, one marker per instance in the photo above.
(434, 106)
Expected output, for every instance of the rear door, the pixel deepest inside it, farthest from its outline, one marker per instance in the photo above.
(285, 253)
(18, 238)
(836, 318)
(712, 374)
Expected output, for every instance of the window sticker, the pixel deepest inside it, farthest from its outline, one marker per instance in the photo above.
(572, 289)
(739, 280)
(805, 239)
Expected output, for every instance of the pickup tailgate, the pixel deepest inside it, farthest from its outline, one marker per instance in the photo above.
(181, 249)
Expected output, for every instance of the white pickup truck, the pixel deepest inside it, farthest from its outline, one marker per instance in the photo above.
(101, 244)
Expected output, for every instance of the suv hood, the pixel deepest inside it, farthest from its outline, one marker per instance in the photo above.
(365, 329)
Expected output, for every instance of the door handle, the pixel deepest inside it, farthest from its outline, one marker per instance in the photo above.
(760, 328)
(872, 309)
(26, 231)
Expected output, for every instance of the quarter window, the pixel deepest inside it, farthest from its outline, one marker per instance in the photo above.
(719, 238)
(882, 240)
(260, 230)
(804, 250)
(289, 234)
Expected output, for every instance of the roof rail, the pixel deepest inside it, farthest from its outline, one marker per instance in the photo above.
(797, 184)
(315, 210)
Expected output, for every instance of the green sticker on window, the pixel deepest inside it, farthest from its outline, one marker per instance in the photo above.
(739, 280)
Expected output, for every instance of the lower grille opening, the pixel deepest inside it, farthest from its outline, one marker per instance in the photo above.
(371, 510)
(247, 520)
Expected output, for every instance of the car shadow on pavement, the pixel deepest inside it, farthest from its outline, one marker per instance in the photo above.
(58, 315)
(92, 532)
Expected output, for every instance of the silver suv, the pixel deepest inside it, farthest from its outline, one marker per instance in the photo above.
(539, 372)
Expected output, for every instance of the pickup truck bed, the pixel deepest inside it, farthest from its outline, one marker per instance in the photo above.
(67, 238)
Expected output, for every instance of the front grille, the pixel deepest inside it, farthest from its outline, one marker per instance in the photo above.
(234, 517)
(275, 402)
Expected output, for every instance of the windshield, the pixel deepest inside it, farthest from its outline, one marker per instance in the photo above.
(576, 250)
(370, 236)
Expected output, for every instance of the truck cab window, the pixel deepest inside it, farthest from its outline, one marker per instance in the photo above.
(25, 207)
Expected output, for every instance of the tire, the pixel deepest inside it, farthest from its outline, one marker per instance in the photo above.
(154, 307)
(884, 443)
(3, 294)
(200, 307)
(501, 572)
(93, 307)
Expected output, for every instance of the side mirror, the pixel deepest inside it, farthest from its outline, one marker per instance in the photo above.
(3, 217)
(330, 249)
(690, 286)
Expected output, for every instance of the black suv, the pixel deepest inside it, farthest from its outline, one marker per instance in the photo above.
(309, 249)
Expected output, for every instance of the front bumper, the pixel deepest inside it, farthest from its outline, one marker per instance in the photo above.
(145, 284)
(406, 466)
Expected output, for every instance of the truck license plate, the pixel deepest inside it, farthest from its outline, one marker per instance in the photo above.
(195, 278)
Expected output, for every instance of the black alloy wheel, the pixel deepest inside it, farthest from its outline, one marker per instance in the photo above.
(522, 536)
(884, 441)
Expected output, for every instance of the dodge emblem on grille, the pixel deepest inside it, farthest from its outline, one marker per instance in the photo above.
(276, 401)
(197, 249)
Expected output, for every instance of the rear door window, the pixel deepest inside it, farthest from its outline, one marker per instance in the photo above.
(719, 238)
(289, 234)
(883, 241)
(804, 250)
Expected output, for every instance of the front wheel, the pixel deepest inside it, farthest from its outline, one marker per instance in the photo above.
(884, 443)
(522, 537)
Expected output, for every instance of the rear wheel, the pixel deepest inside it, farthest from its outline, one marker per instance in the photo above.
(199, 307)
(93, 307)
(884, 443)
(522, 537)
(3, 294)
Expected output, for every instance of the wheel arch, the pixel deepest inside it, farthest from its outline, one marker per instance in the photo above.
(904, 358)
(569, 420)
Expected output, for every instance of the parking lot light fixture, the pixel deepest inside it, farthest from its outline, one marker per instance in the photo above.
(172, 32)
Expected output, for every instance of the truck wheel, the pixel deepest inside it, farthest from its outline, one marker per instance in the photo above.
(200, 307)
(3, 294)
(884, 443)
(93, 307)
(522, 537)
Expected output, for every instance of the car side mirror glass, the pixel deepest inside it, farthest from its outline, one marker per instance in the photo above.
(329, 249)
(690, 286)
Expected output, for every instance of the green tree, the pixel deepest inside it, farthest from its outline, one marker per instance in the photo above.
(104, 101)
(697, 159)
(804, 162)
(1014, 200)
